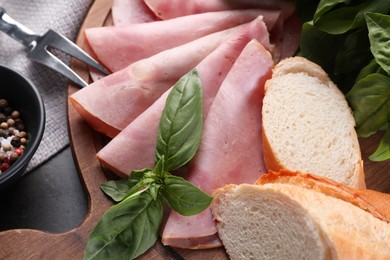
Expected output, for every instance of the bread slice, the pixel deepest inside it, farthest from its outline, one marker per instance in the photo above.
(308, 125)
(286, 221)
(374, 202)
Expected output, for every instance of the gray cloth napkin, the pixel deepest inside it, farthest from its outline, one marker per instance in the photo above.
(64, 17)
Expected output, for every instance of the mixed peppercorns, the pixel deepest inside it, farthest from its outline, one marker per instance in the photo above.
(13, 135)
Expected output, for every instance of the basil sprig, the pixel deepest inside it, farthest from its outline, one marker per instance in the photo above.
(350, 40)
(131, 227)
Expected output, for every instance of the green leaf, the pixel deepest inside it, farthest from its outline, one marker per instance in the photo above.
(181, 122)
(183, 196)
(370, 68)
(320, 47)
(326, 5)
(383, 151)
(346, 18)
(116, 189)
(121, 189)
(370, 101)
(356, 48)
(159, 167)
(379, 35)
(127, 229)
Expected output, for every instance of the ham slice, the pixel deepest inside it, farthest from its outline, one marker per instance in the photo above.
(117, 47)
(126, 12)
(163, 8)
(134, 148)
(230, 150)
(291, 36)
(110, 104)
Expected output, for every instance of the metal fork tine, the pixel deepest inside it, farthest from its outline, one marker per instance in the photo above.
(44, 57)
(62, 43)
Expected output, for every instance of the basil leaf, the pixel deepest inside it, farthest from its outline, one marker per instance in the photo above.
(181, 122)
(356, 48)
(320, 47)
(127, 229)
(344, 19)
(116, 189)
(379, 35)
(370, 68)
(326, 5)
(370, 101)
(159, 167)
(383, 151)
(120, 189)
(183, 196)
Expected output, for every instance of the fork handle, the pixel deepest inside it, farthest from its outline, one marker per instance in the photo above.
(16, 30)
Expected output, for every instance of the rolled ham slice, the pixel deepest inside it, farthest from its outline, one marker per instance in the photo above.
(110, 104)
(125, 12)
(230, 150)
(117, 47)
(134, 148)
(168, 9)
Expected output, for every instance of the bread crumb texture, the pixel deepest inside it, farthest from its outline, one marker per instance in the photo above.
(284, 221)
(263, 224)
(310, 127)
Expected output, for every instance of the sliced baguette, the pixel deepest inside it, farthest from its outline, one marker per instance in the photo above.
(308, 125)
(282, 220)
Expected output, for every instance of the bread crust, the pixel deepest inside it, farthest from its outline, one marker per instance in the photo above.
(368, 240)
(374, 202)
(297, 65)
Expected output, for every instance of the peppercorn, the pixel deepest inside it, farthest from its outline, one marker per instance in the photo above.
(3, 117)
(13, 157)
(19, 151)
(15, 141)
(15, 114)
(3, 133)
(7, 147)
(10, 122)
(3, 156)
(23, 141)
(19, 124)
(11, 130)
(4, 166)
(3, 103)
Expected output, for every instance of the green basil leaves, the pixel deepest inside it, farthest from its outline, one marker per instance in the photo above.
(350, 40)
(181, 123)
(131, 227)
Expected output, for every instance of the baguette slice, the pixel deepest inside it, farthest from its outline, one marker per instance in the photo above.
(308, 125)
(283, 220)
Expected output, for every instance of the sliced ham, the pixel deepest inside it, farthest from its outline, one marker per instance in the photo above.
(164, 8)
(126, 12)
(117, 47)
(110, 104)
(291, 36)
(134, 148)
(230, 150)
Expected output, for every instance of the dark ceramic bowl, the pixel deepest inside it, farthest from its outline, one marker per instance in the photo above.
(22, 95)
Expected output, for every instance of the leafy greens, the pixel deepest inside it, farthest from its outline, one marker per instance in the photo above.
(350, 40)
(131, 227)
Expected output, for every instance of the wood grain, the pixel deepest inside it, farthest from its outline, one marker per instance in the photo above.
(33, 244)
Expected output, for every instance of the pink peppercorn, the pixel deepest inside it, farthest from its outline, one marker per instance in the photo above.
(4, 166)
(18, 151)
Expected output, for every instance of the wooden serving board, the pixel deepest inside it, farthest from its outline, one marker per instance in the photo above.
(33, 244)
